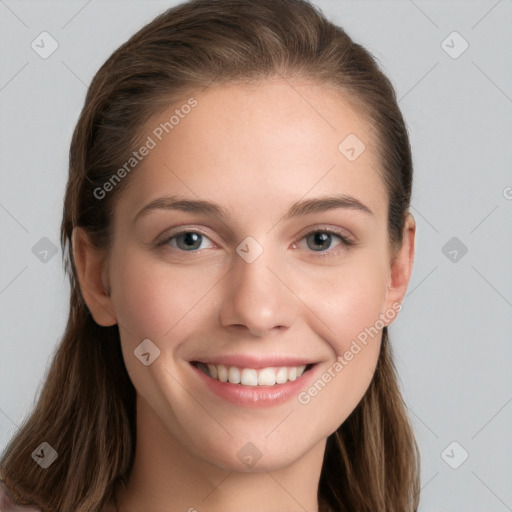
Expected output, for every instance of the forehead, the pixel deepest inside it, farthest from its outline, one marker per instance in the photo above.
(268, 143)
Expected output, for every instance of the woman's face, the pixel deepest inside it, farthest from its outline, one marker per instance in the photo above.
(288, 266)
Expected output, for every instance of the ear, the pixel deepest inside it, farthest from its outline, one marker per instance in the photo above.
(91, 268)
(401, 267)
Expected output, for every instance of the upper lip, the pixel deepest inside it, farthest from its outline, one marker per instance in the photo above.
(254, 361)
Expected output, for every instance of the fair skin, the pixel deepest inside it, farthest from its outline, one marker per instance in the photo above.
(253, 151)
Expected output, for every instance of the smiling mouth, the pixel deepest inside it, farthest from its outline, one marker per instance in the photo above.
(270, 376)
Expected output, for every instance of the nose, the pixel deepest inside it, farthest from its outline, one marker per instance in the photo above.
(257, 297)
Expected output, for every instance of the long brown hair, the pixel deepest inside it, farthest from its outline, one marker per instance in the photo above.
(86, 408)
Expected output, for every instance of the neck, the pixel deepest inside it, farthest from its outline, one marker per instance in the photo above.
(166, 477)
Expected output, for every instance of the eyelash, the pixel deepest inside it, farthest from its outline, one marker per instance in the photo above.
(346, 242)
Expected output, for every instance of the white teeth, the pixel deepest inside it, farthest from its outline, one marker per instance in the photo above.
(234, 375)
(213, 370)
(282, 375)
(222, 373)
(267, 377)
(251, 377)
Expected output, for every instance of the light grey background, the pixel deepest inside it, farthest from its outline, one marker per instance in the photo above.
(453, 337)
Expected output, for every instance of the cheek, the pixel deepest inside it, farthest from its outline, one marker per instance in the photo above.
(162, 303)
(349, 299)
(349, 302)
(152, 298)
(357, 312)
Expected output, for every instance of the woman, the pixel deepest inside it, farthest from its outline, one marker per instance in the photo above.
(239, 240)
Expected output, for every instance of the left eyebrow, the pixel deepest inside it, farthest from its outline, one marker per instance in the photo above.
(322, 204)
(303, 207)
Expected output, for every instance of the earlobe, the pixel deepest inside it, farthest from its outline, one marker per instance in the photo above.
(91, 268)
(401, 266)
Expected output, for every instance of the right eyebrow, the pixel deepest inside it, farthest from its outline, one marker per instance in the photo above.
(183, 204)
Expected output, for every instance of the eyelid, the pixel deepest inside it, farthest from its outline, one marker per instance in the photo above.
(347, 242)
(344, 233)
(180, 230)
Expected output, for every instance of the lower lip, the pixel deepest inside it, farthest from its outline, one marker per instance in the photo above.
(256, 396)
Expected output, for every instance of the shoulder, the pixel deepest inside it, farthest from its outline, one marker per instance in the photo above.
(8, 504)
